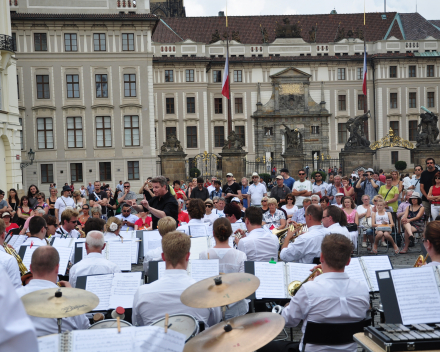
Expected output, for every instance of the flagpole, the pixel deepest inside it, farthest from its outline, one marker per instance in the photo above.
(229, 80)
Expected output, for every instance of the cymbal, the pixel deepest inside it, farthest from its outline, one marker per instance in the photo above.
(249, 332)
(71, 302)
(232, 288)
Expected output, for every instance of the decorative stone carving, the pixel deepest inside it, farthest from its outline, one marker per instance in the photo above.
(288, 30)
(264, 34)
(293, 139)
(312, 35)
(172, 144)
(355, 126)
(234, 142)
(215, 37)
(427, 130)
(236, 36)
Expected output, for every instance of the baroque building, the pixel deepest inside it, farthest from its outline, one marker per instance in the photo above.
(168, 8)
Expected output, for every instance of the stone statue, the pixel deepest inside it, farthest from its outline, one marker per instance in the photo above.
(215, 37)
(293, 138)
(288, 30)
(236, 36)
(312, 35)
(427, 130)
(234, 141)
(265, 35)
(340, 34)
(355, 126)
(172, 144)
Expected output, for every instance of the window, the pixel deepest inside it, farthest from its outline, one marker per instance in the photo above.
(74, 132)
(431, 100)
(239, 131)
(238, 105)
(101, 86)
(127, 42)
(393, 71)
(46, 173)
(169, 76)
(99, 41)
(169, 131)
(219, 136)
(43, 87)
(105, 171)
(70, 42)
(412, 130)
(190, 75)
(238, 76)
(76, 172)
(45, 133)
(342, 133)
(72, 86)
(216, 76)
(394, 157)
(412, 100)
(315, 129)
(191, 105)
(14, 41)
(130, 85)
(412, 71)
(133, 170)
(103, 131)
(40, 41)
(394, 125)
(342, 106)
(361, 102)
(268, 131)
(170, 105)
(131, 130)
(359, 73)
(21, 133)
(393, 100)
(218, 105)
(430, 71)
(341, 73)
(191, 137)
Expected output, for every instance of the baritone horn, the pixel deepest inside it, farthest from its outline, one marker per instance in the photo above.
(300, 228)
(420, 261)
(295, 285)
(11, 251)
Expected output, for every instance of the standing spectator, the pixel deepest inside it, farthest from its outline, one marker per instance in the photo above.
(179, 193)
(13, 202)
(335, 189)
(382, 177)
(83, 191)
(84, 216)
(24, 211)
(347, 189)
(301, 188)
(111, 204)
(319, 187)
(211, 187)
(72, 187)
(191, 186)
(396, 182)
(262, 182)
(256, 191)
(425, 183)
(244, 191)
(207, 184)
(128, 219)
(41, 202)
(274, 171)
(63, 202)
(231, 189)
(98, 197)
(415, 182)
(217, 191)
(4, 206)
(288, 181)
(389, 193)
(90, 189)
(434, 195)
(79, 201)
(200, 192)
(171, 189)
(377, 181)
(120, 186)
(147, 189)
(367, 185)
(32, 192)
(280, 191)
(128, 197)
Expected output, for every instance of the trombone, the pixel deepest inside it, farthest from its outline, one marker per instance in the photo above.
(420, 261)
(295, 285)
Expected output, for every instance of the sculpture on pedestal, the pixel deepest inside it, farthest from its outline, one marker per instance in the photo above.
(293, 138)
(172, 144)
(427, 130)
(234, 142)
(357, 138)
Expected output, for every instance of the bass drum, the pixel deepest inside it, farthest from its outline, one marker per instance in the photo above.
(110, 324)
(183, 323)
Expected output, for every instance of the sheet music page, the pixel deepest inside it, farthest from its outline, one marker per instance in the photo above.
(65, 254)
(17, 240)
(154, 240)
(154, 338)
(238, 225)
(62, 242)
(161, 267)
(100, 285)
(213, 242)
(198, 231)
(134, 251)
(120, 254)
(354, 271)
(272, 280)
(199, 244)
(49, 343)
(373, 264)
(417, 295)
(202, 269)
(298, 271)
(28, 256)
(103, 340)
(124, 287)
(128, 235)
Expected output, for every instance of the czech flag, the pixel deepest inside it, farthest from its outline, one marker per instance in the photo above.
(225, 84)
(364, 83)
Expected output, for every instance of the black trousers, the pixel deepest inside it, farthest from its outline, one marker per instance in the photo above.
(281, 346)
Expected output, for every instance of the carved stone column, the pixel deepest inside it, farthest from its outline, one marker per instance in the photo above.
(277, 97)
(306, 97)
(233, 157)
(172, 159)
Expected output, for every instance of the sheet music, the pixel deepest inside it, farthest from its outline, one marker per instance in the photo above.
(373, 264)
(272, 280)
(198, 231)
(65, 255)
(128, 235)
(298, 271)
(199, 244)
(100, 340)
(28, 256)
(120, 254)
(134, 251)
(354, 271)
(230, 241)
(17, 240)
(161, 269)
(238, 225)
(49, 343)
(202, 269)
(154, 338)
(154, 240)
(63, 242)
(417, 295)
(101, 286)
(124, 287)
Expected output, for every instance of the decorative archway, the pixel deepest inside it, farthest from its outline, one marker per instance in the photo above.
(391, 141)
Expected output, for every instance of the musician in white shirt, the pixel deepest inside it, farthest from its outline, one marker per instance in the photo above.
(44, 267)
(94, 263)
(196, 212)
(431, 241)
(38, 231)
(152, 301)
(7, 261)
(17, 333)
(308, 245)
(335, 220)
(259, 245)
(69, 219)
(113, 229)
(63, 202)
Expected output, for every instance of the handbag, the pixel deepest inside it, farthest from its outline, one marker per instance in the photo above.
(384, 228)
(352, 227)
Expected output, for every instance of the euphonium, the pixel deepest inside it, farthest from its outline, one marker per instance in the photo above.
(11, 251)
(420, 261)
(294, 286)
(301, 228)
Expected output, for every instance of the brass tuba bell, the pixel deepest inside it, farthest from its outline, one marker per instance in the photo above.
(295, 285)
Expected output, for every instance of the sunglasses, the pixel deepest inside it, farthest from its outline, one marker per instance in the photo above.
(126, 186)
(255, 177)
(215, 202)
(73, 221)
(37, 198)
(208, 206)
(437, 178)
(85, 208)
(287, 199)
(301, 174)
(265, 201)
(429, 163)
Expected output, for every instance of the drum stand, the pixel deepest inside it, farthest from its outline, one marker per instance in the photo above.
(224, 312)
(59, 321)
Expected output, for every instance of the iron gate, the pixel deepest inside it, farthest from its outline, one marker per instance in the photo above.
(322, 163)
(263, 165)
(204, 165)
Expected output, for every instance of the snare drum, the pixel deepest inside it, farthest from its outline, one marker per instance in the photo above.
(109, 324)
(183, 323)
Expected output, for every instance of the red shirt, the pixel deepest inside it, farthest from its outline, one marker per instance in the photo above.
(143, 225)
(183, 217)
(11, 226)
(382, 178)
(179, 196)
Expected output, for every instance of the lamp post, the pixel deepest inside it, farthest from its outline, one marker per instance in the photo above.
(31, 155)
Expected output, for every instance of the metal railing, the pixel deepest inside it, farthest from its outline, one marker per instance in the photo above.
(7, 43)
(264, 166)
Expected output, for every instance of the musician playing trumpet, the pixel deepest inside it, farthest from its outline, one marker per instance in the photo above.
(431, 241)
(308, 245)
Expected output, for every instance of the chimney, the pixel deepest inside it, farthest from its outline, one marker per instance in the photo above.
(221, 14)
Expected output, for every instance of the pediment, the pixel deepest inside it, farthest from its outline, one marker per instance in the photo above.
(392, 38)
(291, 72)
(188, 41)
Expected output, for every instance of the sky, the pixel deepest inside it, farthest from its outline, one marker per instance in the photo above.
(430, 9)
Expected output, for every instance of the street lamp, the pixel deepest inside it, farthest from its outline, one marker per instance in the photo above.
(31, 155)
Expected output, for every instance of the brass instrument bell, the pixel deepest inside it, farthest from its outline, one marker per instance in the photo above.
(295, 285)
(420, 261)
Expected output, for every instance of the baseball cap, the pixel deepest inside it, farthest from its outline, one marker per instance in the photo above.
(279, 177)
(339, 194)
(370, 170)
(235, 199)
(229, 174)
(66, 188)
(5, 214)
(255, 174)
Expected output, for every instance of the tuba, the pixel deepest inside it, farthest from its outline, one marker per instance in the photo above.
(420, 261)
(294, 286)
(11, 251)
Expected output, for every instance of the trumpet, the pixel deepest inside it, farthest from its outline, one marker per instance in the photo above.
(420, 261)
(11, 251)
(295, 285)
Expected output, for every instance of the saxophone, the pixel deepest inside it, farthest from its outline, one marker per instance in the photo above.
(11, 251)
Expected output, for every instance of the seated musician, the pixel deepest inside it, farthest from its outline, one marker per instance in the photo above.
(37, 230)
(259, 245)
(299, 215)
(94, 224)
(44, 267)
(233, 213)
(196, 212)
(431, 242)
(274, 218)
(113, 229)
(308, 245)
(231, 260)
(152, 301)
(164, 225)
(68, 222)
(332, 297)
(7, 261)
(335, 220)
(94, 263)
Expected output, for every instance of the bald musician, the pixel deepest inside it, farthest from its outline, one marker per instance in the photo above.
(94, 263)
(308, 245)
(44, 267)
(38, 231)
(335, 220)
(152, 301)
(7, 261)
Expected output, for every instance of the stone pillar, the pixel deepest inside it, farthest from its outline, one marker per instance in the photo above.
(277, 97)
(351, 159)
(294, 162)
(422, 153)
(306, 97)
(173, 165)
(234, 162)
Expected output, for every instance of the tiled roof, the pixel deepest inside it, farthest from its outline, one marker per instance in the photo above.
(200, 29)
(435, 23)
(417, 27)
(82, 16)
(395, 31)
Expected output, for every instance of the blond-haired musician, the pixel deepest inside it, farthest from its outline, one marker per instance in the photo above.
(69, 219)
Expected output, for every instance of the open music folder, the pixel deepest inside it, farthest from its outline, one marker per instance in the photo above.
(145, 338)
(65, 254)
(113, 290)
(197, 269)
(16, 241)
(410, 296)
